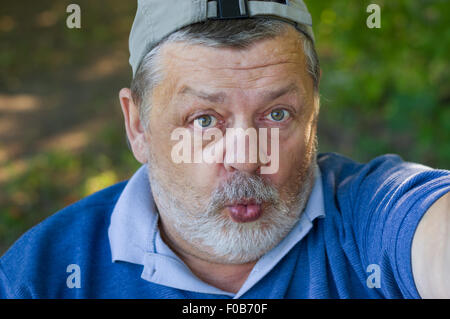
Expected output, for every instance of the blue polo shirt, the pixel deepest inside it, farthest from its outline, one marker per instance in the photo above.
(144, 246)
(353, 241)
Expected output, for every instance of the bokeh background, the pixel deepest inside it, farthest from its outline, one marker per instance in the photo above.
(61, 130)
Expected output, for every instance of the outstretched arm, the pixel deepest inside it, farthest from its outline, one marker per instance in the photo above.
(430, 252)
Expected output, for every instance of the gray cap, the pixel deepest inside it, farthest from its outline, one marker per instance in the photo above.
(156, 19)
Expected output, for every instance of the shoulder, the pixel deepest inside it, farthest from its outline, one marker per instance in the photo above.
(383, 172)
(373, 210)
(62, 238)
(358, 191)
(343, 167)
(71, 219)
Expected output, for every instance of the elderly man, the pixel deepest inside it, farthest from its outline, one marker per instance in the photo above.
(289, 224)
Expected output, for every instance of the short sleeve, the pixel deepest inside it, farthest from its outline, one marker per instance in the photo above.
(390, 197)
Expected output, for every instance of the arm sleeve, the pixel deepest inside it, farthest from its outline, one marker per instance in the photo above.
(391, 198)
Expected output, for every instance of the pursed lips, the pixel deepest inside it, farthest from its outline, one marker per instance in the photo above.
(245, 211)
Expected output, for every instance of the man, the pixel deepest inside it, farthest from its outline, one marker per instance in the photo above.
(196, 222)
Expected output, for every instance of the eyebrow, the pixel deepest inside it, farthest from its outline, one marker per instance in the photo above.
(273, 95)
(214, 98)
(220, 97)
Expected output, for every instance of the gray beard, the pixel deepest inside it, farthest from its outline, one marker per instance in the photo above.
(208, 230)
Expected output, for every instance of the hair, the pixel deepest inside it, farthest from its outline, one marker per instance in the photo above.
(238, 34)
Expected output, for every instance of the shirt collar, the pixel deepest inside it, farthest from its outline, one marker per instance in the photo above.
(134, 237)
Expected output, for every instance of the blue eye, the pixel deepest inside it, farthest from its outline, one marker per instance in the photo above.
(205, 121)
(278, 115)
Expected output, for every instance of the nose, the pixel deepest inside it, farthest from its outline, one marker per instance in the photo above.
(241, 150)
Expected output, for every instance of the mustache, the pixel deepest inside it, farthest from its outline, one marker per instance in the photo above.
(240, 187)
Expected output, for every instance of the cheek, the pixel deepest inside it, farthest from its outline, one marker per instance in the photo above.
(197, 179)
(203, 178)
(291, 153)
(193, 182)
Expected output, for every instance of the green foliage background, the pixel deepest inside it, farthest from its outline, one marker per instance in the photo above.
(382, 91)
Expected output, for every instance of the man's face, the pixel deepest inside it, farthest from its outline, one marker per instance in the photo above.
(229, 212)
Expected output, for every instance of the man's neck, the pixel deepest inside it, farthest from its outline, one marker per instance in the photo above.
(227, 277)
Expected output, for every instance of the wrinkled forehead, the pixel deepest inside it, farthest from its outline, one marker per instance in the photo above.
(267, 60)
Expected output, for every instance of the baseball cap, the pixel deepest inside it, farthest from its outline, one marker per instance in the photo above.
(156, 19)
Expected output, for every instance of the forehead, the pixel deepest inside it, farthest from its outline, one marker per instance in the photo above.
(265, 62)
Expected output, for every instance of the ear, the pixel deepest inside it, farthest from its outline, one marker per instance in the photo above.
(134, 128)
